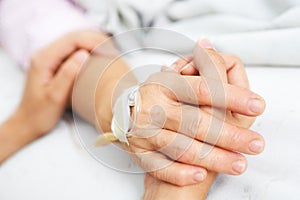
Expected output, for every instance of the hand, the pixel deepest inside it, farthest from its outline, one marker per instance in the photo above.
(162, 136)
(51, 77)
(235, 75)
(157, 189)
(53, 55)
(48, 88)
(47, 91)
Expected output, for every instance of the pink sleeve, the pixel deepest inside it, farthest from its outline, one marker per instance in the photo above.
(26, 26)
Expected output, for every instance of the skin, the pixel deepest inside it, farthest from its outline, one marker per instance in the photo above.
(47, 92)
(233, 72)
(156, 189)
(44, 101)
(166, 182)
(54, 79)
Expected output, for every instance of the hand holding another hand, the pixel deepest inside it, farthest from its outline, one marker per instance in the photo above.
(174, 120)
(48, 88)
(51, 78)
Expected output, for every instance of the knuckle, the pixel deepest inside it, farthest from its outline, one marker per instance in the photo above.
(178, 152)
(203, 127)
(158, 174)
(234, 138)
(189, 157)
(157, 112)
(191, 126)
(160, 142)
(214, 163)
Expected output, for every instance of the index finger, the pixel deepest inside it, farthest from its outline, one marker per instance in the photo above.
(194, 90)
(62, 48)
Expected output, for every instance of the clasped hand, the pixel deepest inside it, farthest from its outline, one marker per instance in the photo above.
(175, 118)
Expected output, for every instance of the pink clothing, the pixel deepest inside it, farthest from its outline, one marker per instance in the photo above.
(26, 27)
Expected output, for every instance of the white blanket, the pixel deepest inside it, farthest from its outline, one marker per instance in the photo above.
(261, 32)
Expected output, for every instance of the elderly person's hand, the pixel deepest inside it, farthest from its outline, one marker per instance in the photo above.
(174, 119)
(235, 75)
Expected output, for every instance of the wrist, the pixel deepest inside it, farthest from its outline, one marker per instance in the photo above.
(15, 133)
(106, 97)
(24, 128)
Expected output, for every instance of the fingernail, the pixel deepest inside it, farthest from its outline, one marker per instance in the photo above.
(206, 44)
(256, 105)
(81, 56)
(239, 166)
(199, 177)
(256, 146)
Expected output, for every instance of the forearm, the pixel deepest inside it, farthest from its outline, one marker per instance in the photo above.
(95, 87)
(15, 133)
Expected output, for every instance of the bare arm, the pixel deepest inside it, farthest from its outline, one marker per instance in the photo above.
(14, 134)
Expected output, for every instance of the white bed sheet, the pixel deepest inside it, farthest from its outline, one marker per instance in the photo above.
(57, 167)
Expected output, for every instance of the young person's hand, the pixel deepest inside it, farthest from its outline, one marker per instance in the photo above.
(49, 84)
(54, 54)
(47, 92)
(51, 78)
(45, 96)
